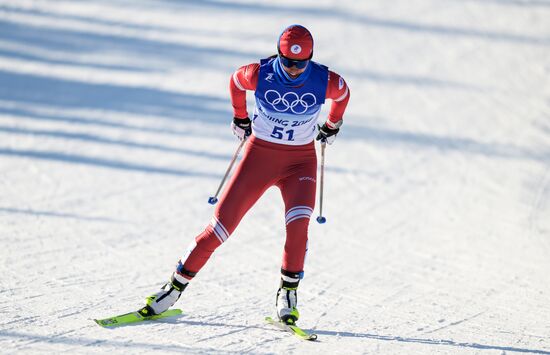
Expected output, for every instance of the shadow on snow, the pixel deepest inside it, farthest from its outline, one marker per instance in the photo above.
(369, 21)
(445, 144)
(35, 213)
(90, 343)
(31, 89)
(439, 342)
(102, 162)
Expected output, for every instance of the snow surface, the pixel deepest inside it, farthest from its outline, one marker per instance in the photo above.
(114, 131)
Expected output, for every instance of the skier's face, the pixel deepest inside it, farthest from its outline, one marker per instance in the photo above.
(294, 72)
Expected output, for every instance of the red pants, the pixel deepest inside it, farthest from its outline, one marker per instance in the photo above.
(291, 168)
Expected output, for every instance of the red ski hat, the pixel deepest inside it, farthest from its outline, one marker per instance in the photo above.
(296, 42)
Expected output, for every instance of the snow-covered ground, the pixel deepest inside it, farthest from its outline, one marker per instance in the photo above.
(114, 131)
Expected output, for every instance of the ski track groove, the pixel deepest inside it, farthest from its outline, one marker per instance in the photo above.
(452, 324)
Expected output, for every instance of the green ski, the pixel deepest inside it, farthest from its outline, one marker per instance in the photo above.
(134, 317)
(292, 328)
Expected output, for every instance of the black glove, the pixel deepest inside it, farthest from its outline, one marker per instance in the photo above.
(326, 134)
(241, 127)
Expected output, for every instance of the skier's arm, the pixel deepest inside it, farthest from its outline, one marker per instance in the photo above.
(245, 78)
(338, 91)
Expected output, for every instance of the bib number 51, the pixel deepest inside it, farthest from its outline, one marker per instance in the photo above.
(279, 133)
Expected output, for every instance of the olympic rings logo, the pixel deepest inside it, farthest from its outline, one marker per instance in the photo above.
(290, 101)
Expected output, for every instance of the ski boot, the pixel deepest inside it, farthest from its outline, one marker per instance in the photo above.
(287, 298)
(165, 298)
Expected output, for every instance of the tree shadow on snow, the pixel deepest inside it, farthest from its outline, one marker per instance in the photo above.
(54, 214)
(66, 49)
(94, 138)
(28, 90)
(366, 20)
(394, 138)
(103, 163)
(78, 41)
(517, 3)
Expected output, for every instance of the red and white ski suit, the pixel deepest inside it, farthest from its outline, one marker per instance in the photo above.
(292, 168)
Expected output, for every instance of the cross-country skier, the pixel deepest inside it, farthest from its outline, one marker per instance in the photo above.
(289, 91)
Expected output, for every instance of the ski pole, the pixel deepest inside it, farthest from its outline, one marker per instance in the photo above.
(322, 219)
(214, 199)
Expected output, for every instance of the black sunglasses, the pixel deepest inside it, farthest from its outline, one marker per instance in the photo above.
(289, 63)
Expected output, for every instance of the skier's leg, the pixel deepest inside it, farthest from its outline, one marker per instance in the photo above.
(252, 177)
(298, 192)
(255, 174)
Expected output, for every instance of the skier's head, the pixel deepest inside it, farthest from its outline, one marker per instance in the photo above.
(296, 43)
